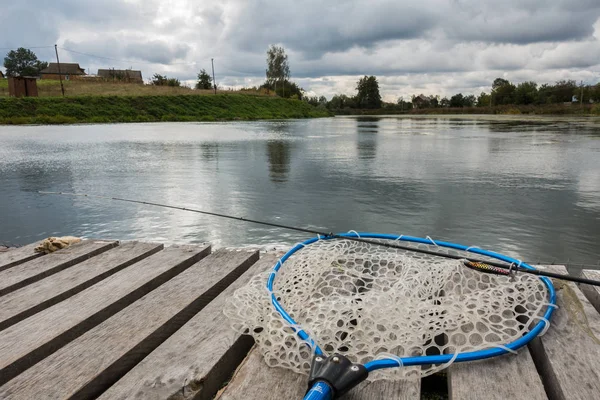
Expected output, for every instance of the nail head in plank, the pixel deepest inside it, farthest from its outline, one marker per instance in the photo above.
(591, 292)
(29, 341)
(24, 274)
(115, 346)
(18, 256)
(42, 294)
(197, 359)
(510, 376)
(568, 355)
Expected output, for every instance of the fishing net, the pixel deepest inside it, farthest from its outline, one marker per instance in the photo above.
(367, 301)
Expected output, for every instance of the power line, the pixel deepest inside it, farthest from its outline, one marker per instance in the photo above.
(124, 61)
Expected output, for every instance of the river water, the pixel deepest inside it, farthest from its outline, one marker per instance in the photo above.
(527, 187)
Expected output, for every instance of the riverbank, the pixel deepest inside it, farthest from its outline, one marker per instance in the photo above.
(547, 109)
(110, 109)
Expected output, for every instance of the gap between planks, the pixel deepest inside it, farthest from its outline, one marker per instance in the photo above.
(31, 340)
(119, 343)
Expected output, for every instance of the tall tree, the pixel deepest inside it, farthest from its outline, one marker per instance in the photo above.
(23, 62)
(484, 100)
(204, 80)
(526, 93)
(278, 69)
(368, 92)
(502, 92)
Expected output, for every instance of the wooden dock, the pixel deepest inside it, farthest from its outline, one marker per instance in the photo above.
(109, 320)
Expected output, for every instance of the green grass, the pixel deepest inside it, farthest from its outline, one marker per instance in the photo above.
(51, 88)
(108, 109)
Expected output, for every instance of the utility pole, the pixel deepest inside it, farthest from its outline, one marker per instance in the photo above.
(62, 88)
(213, 70)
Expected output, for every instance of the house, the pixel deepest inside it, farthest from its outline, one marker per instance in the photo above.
(123, 75)
(67, 70)
(1, 75)
(421, 101)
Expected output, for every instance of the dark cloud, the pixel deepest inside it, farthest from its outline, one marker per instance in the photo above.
(317, 27)
(440, 46)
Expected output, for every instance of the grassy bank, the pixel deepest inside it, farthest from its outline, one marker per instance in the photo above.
(51, 88)
(546, 109)
(105, 109)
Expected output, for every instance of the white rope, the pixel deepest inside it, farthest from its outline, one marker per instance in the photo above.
(356, 233)
(508, 349)
(390, 356)
(432, 241)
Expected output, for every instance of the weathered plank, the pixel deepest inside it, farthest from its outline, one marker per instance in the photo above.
(506, 377)
(42, 294)
(591, 292)
(568, 355)
(18, 256)
(197, 359)
(29, 341)
(113, 347)
(254, 379)
(24, 274)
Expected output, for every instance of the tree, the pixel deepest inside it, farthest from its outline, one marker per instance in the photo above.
(444, 102)
(291, 89)
(457, 100)
(23, 62)
(502, 92)
(278, 69)
(204, 80)
(484, 100)
(526, 93)
(162, 80)
(469, 101)
(564, 90)
(368, 92)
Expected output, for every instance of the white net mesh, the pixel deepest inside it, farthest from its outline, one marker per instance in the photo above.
(365, 301)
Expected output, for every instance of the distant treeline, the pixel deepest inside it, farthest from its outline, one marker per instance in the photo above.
(504, 93)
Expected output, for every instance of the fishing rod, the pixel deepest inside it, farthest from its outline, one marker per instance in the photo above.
(474, 263)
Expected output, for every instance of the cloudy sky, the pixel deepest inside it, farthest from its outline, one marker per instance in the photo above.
(426, 46)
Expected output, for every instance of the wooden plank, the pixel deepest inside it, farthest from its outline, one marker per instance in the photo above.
(18, 256)
(505, 377)
(197, 359)
(591, 292)
(254, 379)
(115, 346)
(42, 294)
(24, 344)
(568, 355)
(32, 271)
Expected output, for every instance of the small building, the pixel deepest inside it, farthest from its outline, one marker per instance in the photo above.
(67, 71)
(1, 75)
(121, 75)
(421, 101)
(22, 86)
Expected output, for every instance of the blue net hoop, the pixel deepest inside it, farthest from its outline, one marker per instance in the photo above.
(418, 360)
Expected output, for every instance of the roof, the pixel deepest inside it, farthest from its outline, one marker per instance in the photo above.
(1, 74)
(65, 69)
(421, 98)
(127, 73)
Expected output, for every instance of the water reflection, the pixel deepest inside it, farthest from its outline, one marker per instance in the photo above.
(367, 129)
(530, 189)
(279, 156)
